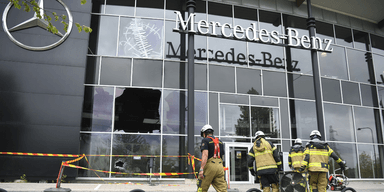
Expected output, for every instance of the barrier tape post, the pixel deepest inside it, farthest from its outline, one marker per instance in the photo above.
(58, 183)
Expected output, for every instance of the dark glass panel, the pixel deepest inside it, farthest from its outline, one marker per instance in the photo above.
(361, 40)
(297, 23)
(368, 95)
(200, 77)
(333, 64)
(150, 8)
(175, 75)
(270, 21)
(264, 101)
(369, 158)
(244, 17)
(266, 120)
(368, 128)
(299, 61)
(141, 38)
(126, 7)
(92, 70)
(137, 110)
(358, 66)
(347, 152)
(351, 93)
(95, 144)
(248, 81)
(325, 31)
(214, 111)
(236, 99)
(98, 6)
(147, 73)
(331, 90)
(378, 62)
(221, 13)
(338, 123)
(285, 133)
(107, 34)
(221, 78)
(377, 44)
(129, 144)
(97, 109)
(303, 118)
(343, 36)
(227, 51)
(175, 145)
(201, 11)
(234, 120)
(274, 84)
(175, 5)
(266, 56)
(301, 86)
(115, 71)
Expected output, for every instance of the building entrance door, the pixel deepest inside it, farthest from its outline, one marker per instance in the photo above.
(236, 161)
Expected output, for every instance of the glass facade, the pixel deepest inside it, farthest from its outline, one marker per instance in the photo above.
(136, 87)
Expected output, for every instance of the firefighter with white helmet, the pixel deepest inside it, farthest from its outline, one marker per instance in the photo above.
(316, 157)
(212, 168)
(296, 155)
(267, 162)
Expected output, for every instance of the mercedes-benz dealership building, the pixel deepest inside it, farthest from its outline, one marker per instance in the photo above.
(121, 93)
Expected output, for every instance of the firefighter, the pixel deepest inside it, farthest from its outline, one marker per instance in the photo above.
(317, 153)
(267, 162)
(296, 155)
(212, 168)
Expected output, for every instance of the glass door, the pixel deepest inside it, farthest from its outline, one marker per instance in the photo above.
(236, 161)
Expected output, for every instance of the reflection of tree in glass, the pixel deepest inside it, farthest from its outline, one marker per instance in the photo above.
(366, 165)
(262, 119)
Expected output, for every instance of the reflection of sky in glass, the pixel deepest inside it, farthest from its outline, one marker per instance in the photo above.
(364, 117)
(305, 118)
(333, 64)
(231, 117)
(301, 61)
(266, 56)
(107, 35)
(227, 51)
(102, 108)
(141, 38)
(338, 122)
(378, 62)
(358, 67)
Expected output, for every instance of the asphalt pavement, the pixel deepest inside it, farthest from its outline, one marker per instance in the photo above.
(187, 186)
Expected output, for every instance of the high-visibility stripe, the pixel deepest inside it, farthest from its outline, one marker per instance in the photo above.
(339, 160)
(296, 154)
(266, 167)
(251, 154)
(323, 153)
(264, 152)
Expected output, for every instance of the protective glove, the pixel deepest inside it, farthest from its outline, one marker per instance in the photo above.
(342, 166)
(252, 172)
(279, 167)
(302, 168)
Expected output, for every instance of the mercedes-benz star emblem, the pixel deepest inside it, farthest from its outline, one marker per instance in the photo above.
(33, 22)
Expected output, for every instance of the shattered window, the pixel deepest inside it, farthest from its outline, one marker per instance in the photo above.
(141, 38)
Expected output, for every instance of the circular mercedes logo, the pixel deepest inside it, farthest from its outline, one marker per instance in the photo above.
(33, 22)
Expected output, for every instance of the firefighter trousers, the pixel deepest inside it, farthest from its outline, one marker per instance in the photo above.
(213, 174)
(318, 181)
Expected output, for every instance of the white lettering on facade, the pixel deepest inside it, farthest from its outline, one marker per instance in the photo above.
(250, 33)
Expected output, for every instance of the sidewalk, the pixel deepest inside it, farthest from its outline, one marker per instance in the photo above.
(359, 186)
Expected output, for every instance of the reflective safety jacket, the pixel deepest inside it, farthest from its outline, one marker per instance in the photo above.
(265, 155)
(317, 154)
(296, 156)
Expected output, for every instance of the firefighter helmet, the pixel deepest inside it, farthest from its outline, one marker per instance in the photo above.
(259, 134)
(315, 133)
(206, 128)
(298, 141)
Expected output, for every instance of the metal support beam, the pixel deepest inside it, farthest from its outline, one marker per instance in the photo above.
(191, 4)
(311, 25)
